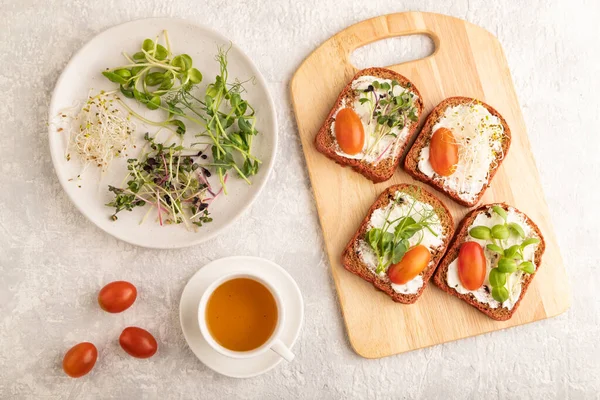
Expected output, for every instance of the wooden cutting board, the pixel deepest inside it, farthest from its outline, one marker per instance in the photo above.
(468, 61)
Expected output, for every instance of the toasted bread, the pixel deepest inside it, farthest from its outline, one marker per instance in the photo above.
(499, 313)
(353, 262)
(411, 163)
(378, 170)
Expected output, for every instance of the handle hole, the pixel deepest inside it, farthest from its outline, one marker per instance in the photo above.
(392, 51)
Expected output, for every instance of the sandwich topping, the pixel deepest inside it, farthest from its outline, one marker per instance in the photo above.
(399, 241)
(495, 259)
(376, 122)
(465, 144)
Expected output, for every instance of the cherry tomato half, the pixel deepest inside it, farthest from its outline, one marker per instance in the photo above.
(471, 265)
(80, 359)
(138, 342)
(414, 261)
(349, 131)
(117, 296)
(443, 152)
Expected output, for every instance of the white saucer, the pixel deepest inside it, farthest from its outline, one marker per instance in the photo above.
(188, 314)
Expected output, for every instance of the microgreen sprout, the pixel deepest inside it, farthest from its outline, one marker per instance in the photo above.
(510, 258)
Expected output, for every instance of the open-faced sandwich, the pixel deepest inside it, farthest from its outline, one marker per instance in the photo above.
(459, 149)
(400, 242)
(371, 123)
(492, 260)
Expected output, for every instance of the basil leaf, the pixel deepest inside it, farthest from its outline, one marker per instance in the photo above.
(500, 294)
(507, 265)
(527, 267)
(529, 241)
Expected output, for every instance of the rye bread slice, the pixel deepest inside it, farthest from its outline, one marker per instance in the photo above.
(441, 276)
(385, 168)
(352, 261)
(411, 162)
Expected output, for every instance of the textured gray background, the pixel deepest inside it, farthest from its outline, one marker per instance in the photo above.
(52, 260)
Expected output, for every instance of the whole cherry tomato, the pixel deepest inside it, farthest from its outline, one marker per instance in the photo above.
(414, 261)
(471, 265)
(80, 359)
(117, 296)
(138, 342)
(349, 131)
(443, 152)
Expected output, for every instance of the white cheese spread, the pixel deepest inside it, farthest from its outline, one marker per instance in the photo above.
(515, 280)
(479, 136)
(388, 145)
(395, 211)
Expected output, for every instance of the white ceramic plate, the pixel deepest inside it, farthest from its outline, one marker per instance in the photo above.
(83, 73)
(188, 314)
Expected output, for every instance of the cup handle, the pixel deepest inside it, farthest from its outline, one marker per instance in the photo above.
(281, 349)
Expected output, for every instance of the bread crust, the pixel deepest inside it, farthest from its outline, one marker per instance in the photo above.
(441, 276)
(411, 162)
(353, 263)
(325, 143)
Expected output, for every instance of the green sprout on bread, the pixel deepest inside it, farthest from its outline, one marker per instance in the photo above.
(510, 258)
(387, 109)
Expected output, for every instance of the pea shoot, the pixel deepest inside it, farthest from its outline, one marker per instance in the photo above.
(390, 247)
(157, 79)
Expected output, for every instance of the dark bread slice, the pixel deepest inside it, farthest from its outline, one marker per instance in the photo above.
(411, 163)
(441, 276)
(353, 263)
(385, 168)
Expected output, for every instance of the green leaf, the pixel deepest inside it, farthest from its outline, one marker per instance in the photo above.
(183, 62)
(123, 72)
(500, 232)
(245, 126)
(136, 70)
(148, 45)
(363, 100)
(154, 78)
(373, 237)
(139, 96)
(410, 230)
(139, 56)
(161, 53)
(495, 248)
(507, 265)
(529, 241)
(512, 251)
(527, 267)
(500, 294)
(398, 252)
(516, 229)
(166, 84)
(386, 244)
(179, 124)
(126, 92)
(500, 211)
(114, 77)
(497, 278)
(481, 232)
(154, 103)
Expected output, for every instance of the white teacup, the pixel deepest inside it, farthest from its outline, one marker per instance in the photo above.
(273, 343)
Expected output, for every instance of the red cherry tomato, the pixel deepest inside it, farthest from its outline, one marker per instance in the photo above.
(117, 296)
(471, 265)
(80, 359)
(414, 261)
(349, 131)
(443, 152)
(138, 342)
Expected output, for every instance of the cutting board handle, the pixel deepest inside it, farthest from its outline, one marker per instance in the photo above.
(388, 26)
